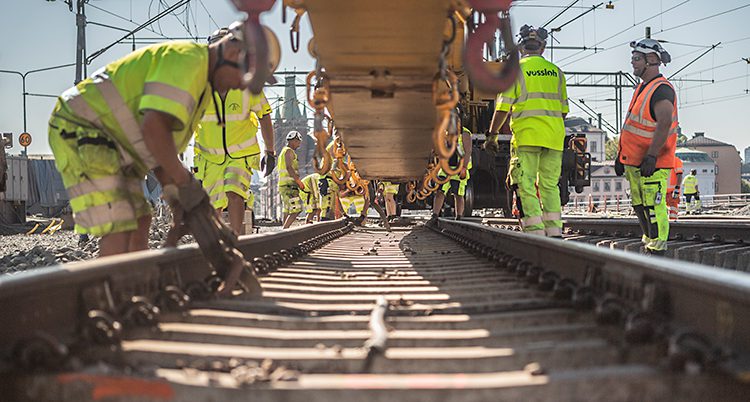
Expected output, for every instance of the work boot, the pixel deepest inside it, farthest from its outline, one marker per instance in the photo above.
(433, 219)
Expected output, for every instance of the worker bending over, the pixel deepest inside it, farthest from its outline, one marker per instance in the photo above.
(537, 105)
(311, 197)
(456, 183)
(133, 115)
(289, 181)
(647, 143)
(226, 147)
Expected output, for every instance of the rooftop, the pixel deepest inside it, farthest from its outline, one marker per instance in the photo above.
(691, 155)
(700, 139)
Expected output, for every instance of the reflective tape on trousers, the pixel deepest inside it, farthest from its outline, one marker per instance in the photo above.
(106, 213)
(532, 220)
(102, 184)
(551, 216)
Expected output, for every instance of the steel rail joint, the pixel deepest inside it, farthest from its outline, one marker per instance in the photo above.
(55, 302)
(710, 303)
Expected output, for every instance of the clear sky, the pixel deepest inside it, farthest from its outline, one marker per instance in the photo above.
(39, 34)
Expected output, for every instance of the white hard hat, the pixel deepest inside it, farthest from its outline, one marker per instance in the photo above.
(649, 45)
(234, 29)
(294, 135)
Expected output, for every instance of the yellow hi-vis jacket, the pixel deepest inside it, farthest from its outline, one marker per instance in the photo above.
(536, 104)
(237, 137)
(285, 179)
(170, 77)
(690, 184)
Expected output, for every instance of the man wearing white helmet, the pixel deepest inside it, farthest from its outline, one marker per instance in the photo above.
(226, 147)
(537, 105)
(133, 115)
(647, 143)
(289, 181)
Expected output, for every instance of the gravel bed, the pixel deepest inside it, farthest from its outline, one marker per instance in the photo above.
(21, 252)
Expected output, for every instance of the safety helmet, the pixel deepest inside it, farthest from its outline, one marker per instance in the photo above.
(528, 33)
(235, 29)
(649, 45)
(294, 135)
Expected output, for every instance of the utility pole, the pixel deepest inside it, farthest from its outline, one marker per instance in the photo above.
(80, 41)
(648, 32)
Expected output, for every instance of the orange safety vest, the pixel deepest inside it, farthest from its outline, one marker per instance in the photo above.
(677, 169)
(639, 128)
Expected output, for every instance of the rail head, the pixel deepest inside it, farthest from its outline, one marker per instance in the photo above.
(699, 311)
(47, 310)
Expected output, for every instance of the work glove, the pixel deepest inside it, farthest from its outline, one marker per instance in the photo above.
(187, 196)
(267, 163)
(676, 192)
(490, 144)
(619, 167)
(648, 166)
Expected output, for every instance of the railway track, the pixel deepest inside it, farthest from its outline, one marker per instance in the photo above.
(454, 311)
(723, 243)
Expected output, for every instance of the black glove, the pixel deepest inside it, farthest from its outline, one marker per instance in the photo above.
(619, 167)
(648, 166)
(490, 144)
(267, 163)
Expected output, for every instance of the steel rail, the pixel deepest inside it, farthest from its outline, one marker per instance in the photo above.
(726, 231)
(698, 311)
(46, 311)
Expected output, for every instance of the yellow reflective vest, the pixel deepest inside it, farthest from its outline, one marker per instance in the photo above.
(536, 104)
(285, 178)
(170, 77)
(690, 184)
(240, 111)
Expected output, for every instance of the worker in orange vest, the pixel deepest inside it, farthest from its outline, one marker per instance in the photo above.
(673, 201)
(647, 143)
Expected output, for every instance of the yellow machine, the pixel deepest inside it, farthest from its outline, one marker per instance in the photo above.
(389, 85)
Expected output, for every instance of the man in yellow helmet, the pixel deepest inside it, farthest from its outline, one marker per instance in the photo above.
(226, 147)
(290, 184)
(135, 114)
(537, 105)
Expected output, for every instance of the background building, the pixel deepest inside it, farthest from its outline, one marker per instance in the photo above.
(605, 184)
(727, 161)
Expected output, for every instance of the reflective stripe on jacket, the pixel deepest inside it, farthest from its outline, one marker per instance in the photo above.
(284, 178)
(170, 77)
(237, 138)
(639, 128)
(536, 104)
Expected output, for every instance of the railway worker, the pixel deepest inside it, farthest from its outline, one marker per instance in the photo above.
(675, 178)
(692, 194)
(349, 199)
(328, 190)
(647, 143)
(389, 196)
(457, 182)
(289, 181)
(311, 197)
(227, 148)
(135, 114)
(537, 105)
